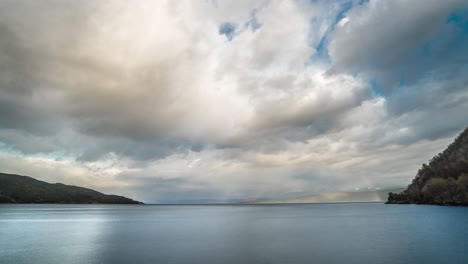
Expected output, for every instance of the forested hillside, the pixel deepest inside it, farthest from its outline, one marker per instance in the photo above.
(443, 181)
(24, 189)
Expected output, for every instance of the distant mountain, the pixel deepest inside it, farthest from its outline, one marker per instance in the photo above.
(24, 189)
(444, 181)
(356, 196)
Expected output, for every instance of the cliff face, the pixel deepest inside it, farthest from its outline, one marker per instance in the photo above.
(23, 189)
(443, 181)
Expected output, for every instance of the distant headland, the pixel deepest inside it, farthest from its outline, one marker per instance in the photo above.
(444, 181)
(24, 189)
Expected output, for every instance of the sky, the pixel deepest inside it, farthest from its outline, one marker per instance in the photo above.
(167, 101)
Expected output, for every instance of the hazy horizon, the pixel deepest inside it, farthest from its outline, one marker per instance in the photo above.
(230, 100)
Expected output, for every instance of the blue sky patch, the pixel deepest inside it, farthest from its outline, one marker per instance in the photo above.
(376, 88)
(228, 29)
(459, 19)
(322, 46)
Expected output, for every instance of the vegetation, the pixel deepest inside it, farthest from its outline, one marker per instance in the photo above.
(23, 189)
(443, 181)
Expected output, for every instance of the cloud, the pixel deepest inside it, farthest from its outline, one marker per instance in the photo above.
(229, 99)
(398, 41)
(118, 77)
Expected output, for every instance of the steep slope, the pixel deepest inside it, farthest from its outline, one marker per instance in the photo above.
(443, 181)
(24, 189)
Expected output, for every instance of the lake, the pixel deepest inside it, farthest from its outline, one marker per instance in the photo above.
(240, 234)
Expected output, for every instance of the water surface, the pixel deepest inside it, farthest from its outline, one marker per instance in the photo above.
(237, 234)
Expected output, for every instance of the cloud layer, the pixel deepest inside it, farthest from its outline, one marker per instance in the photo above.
(184, 100)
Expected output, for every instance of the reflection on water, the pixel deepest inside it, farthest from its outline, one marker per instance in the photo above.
(315, 233)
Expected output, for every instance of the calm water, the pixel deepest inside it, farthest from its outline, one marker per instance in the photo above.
(242, 234)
